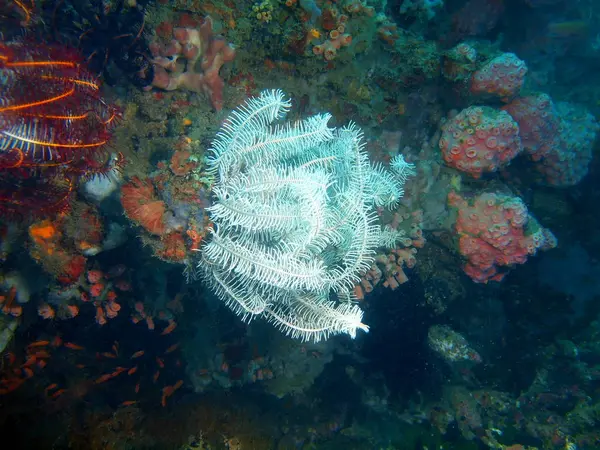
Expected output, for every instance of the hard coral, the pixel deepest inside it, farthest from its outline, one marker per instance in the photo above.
(558, 138)
(496, 231)
(501, 77)
(192, 61)
(142, 206)
(539, 124)
(480, 139)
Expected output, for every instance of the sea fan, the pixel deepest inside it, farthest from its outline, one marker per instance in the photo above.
(294, 220)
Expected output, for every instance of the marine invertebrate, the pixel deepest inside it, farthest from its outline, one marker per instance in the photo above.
(142, 206)
(330, 47)
(294, 219)
(539, 123)
(17, 12)
(557, 137)
(502, 76)
(459, 62)
(52, 245)
(54, 128)
(107, 33)
(192, 60)
(495, 232)
(480, 139)
(405, 230)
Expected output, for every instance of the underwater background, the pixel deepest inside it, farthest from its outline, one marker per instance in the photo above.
(299, 224)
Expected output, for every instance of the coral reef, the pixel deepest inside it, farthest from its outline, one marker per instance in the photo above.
(558, 138)
(468, 120)
(480, 139)
(192, 60)
(496, 231)
(502, 77)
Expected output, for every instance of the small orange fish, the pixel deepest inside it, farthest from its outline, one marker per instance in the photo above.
(119, 370)
(103, 378)
(177, 385)
(30, 361)
(49, 388)
(41, 363)
(57, 393)
(80, 366)
(137, 354)
(132, 370)
(172, 325)
(73, 346)
(172, 348)
(38, 344)
(28, 372)
(160, 363)
(155, 377)
(108, 355)
(128, 403)
(150, 323)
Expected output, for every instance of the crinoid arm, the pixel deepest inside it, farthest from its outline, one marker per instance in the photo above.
(54, 127)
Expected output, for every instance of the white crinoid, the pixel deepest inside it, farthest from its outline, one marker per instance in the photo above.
(294, 218)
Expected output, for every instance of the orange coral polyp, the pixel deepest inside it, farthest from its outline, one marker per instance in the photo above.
(44, 231)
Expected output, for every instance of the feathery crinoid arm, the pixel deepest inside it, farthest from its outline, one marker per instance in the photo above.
(311, 317)
(294, 218)
(280, 266)
(280, 144)
(275, 200)
(249, 119)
